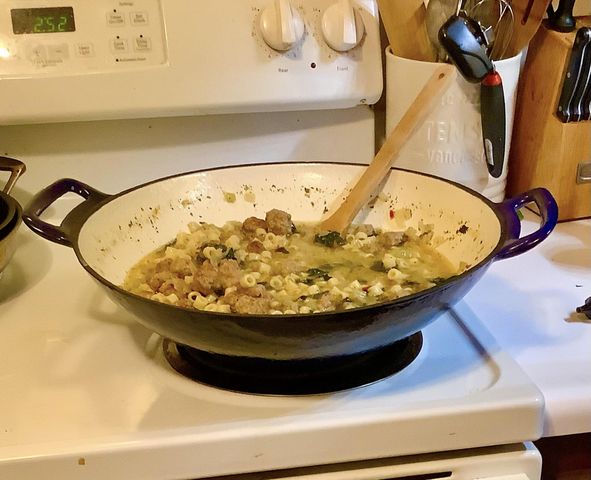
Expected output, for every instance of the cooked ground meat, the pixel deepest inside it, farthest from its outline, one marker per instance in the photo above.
(279, 222)
(249, 300)
(248, 304)
(209, 279)
(393, 239)
(252, 223)
(229, 273)
(255, 247)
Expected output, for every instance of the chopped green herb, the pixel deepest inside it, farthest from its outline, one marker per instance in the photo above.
(318, 273)
(230, 254)
(329, 239)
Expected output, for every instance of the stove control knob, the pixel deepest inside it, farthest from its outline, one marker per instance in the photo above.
(342, 26)
(282, 25)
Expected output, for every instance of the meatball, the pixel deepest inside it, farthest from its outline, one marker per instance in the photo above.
(279, 222)
(209, 278)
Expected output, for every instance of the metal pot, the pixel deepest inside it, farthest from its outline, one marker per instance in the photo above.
(110, 233)
(10, 210)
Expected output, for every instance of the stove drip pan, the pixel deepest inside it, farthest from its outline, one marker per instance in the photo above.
(292, 377)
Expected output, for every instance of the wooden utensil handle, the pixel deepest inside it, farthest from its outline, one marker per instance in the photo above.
(414, 117)
(404, 23)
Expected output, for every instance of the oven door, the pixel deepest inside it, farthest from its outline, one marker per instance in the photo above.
(507, 462)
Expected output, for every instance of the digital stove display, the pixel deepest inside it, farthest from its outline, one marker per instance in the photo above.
(43, 20)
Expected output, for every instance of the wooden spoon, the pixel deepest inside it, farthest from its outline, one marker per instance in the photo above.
(423, 104)
(404, 23)
(528, 16)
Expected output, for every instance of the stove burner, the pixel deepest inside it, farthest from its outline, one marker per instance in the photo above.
(292, 377)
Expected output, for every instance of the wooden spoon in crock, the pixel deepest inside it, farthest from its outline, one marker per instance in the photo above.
(427, 99)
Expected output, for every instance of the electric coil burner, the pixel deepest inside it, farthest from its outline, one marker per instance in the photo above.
(292, 377)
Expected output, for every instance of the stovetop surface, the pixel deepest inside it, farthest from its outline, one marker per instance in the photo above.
(79, 374)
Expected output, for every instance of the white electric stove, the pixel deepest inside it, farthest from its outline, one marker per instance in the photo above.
(87, 393)
(148, 88)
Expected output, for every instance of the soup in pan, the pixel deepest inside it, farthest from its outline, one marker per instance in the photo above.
(272, 266)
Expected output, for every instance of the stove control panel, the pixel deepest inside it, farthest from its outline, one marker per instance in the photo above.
(56, 37)
(107, 59)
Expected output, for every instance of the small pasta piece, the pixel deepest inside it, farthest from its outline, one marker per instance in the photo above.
(248, 280)
(305, 309)
(375, 290)
(389, 261)
(213, 254)
(338, 293)
(264, 269)
(276, 282)
(200, 302)
(233, 241)
(396, 275)
(240, 255)
(313, 290)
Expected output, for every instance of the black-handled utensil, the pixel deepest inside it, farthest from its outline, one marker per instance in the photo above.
(466, 45)
(562, 19)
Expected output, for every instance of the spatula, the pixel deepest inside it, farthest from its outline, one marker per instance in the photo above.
(427, 99)
(528, 16)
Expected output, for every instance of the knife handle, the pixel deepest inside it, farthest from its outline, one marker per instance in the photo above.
(492, 118)
(562, 19)
(572, 83)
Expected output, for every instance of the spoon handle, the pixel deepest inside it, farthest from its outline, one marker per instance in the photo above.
(423, 104)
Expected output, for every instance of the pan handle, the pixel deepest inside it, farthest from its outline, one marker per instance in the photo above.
(46, 197)
(508, 209)
(16, 169)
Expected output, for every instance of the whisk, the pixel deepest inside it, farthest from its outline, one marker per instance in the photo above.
(496, 19)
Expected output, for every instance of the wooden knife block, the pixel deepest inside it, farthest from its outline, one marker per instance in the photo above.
(544, 151)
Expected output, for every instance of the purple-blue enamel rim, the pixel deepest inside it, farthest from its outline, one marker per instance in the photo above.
(508, 211)
(61, 234)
